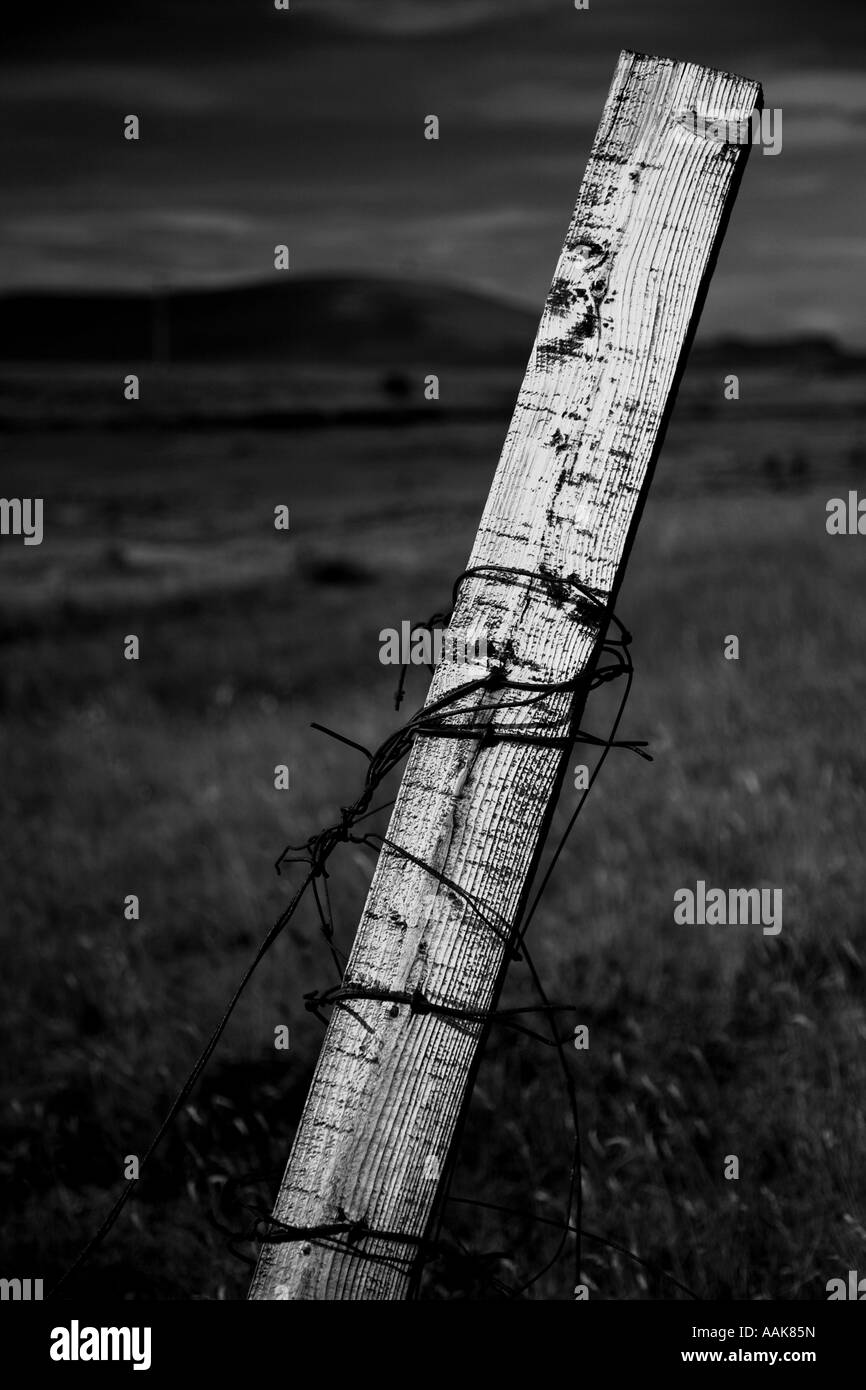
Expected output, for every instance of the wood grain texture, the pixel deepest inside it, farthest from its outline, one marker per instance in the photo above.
(576, 464)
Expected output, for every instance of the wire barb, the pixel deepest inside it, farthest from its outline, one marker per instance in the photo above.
(448, 716)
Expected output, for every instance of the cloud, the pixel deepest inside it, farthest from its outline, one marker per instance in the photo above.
(116, 249)
(306, 126)
(119, 85)
(821, 107)
(416, 18)
(538, 101)
(837, 90)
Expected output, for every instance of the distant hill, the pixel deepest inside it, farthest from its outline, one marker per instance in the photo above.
(370, 321)
(817, 353)
(312, 319)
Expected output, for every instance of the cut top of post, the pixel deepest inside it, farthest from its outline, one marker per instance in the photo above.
(613, 336)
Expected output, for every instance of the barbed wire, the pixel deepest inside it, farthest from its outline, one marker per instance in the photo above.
(446, 716)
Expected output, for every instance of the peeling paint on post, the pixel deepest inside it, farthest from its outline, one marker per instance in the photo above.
(566, 499)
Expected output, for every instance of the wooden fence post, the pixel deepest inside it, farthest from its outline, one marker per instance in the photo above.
(575, 468)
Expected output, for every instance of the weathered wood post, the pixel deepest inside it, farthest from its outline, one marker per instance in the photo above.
(575, 468)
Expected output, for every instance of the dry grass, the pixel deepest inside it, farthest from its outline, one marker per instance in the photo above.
(156, 779)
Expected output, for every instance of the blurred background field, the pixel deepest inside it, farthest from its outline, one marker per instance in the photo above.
(156, 778)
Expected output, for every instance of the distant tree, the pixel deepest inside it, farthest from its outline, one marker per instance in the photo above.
(397, 385)
(773, 470)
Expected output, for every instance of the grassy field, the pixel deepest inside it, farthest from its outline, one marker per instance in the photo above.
(156, 778)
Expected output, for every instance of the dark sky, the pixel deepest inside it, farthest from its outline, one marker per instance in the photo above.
(306, 127)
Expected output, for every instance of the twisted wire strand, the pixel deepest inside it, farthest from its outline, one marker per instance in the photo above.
(437, 719)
